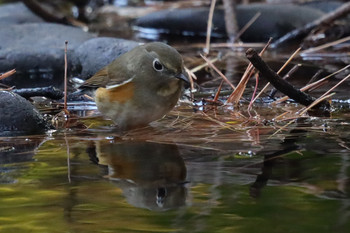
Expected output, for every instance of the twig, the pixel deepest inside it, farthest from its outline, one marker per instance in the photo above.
(216, 97)
(287, 76)
(279, 83)
(237, 94)
(325, 20)
(317, 101)
(335, 86)
(7, 74)
(237, 45)
(247, 25)
(314, 77)
(217, 71)
(65, 76)
(255, 89)
(278, 72)
(280, 116)
(198, 68)
(311, 50)
(209, 27)
(307, 87)
(191, 76)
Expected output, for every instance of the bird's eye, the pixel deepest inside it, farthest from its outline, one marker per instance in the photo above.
(157, 65)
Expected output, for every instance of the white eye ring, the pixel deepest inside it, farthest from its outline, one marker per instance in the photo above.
(157, 65)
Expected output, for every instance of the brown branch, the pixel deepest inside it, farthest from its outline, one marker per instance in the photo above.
(324, 20)
(7, 74)
(280, 84)
(287, 76)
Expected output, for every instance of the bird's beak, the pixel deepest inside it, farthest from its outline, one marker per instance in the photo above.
(183, 77)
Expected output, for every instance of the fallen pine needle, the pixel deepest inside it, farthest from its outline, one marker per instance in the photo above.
(7, 74)
(321, 98)
(191, 76)
(324, 46)
(218, 92)
(209, 27)
(211, 65)
(65, 76)
(236, 95)
(311, 85)
(198, 68)
(248, 24)
(336, 85)
(317, 101)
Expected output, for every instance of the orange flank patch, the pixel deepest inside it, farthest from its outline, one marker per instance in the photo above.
(120, 94)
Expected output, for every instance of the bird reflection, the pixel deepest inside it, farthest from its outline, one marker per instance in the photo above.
(151, 175)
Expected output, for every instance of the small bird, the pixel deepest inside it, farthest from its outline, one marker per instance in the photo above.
(140, 86)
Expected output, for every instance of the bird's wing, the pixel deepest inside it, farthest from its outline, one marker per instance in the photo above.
(100, 79)
(109, 77)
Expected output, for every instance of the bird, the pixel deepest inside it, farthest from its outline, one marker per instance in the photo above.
(139, 86)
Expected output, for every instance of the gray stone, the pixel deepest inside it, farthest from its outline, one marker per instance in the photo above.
(19, 117)
(36, 51)
(94, 54)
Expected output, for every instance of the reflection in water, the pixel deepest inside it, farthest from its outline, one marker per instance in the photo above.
(151, 175)
(270, 161)
(274, 160)
(288, 164)
(15, 150)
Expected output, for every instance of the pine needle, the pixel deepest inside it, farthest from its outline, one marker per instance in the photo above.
(211, 65)
(7, 74)
(209, 27)
(311, 85)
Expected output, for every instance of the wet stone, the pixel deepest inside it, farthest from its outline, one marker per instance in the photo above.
(19, 117)
(94, 54)
(278, 19)
(36, 51)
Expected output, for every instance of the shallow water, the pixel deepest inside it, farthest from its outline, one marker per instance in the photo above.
(186, 173)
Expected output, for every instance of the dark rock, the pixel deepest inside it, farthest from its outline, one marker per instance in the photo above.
(17, 13)
(19, 117)
(36, 51)
(275, 20)
(94, 54)
(48, 92)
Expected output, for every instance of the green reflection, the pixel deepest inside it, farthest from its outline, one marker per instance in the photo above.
(303, 189)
